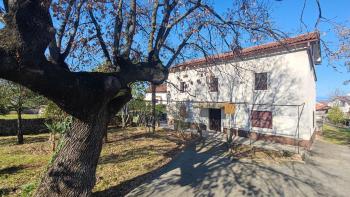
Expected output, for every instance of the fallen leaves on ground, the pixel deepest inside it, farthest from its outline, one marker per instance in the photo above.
(128, 156)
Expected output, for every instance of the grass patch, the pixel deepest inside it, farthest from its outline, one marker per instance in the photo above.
(24, 116)
(241, 151)
(21, 165)
(336, 135)
(128, 154)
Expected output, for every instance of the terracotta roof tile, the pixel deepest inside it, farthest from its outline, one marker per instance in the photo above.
(321, 106)
(251, 51)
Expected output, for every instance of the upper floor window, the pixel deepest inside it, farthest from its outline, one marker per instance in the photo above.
(214, 84)
(261, 81)
(182, 86)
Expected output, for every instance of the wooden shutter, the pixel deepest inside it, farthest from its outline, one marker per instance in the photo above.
(182, 86)
(261, 81)
(214, 84)
(262, 119)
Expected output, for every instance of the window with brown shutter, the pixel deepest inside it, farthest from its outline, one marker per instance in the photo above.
(261, 81)
(182, 86)
(262, 119)
(214, 84)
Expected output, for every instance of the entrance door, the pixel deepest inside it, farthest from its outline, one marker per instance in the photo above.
(215, 119)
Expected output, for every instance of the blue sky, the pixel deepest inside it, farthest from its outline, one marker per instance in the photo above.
(286, 15)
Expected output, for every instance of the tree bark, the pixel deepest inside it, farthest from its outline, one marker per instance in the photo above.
(73, 171)
(90, 97)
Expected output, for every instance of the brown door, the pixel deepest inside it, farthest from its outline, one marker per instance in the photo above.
(215, 119)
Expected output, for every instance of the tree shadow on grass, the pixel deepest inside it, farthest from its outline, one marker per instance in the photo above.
(126, 186)
(7, 190)
(28, 139)
(11, 170)
(133, 154)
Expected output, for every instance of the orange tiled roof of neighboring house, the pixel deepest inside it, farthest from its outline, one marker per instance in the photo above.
(159, 88)
(321, 106)
(251, 51)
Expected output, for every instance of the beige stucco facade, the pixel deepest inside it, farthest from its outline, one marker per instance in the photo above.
(290, 96)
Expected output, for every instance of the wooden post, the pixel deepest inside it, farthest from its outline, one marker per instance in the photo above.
(153, 108)
(19, 116)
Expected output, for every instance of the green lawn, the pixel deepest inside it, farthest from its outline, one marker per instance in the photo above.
(24, 116)
(124, 161)
(336, 135)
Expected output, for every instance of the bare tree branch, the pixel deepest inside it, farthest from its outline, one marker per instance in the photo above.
(62, 28)
(319, 13)
(6, 5)
(130, 28)
(2, 14)
(168, 8)
(100, 38)
(179, 19)
(117, 30)
(302, 15)
(75, 29)
(153, 25)
(181, 46)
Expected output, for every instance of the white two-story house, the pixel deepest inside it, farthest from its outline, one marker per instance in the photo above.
(271, 89)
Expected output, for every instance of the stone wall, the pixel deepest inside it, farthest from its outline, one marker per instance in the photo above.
(30, 126)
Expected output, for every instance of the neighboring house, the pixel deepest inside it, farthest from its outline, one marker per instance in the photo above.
(321, 114)
(322, 109)
(161, 94)
(271, 88)
(343, 102)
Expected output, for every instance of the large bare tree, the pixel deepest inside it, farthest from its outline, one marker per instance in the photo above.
(49, 47)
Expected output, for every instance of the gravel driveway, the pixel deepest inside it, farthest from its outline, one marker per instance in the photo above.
(203, 170)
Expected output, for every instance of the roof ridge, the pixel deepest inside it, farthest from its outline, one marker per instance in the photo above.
(299, 39)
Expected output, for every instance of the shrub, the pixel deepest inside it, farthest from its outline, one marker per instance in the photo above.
(336, 115)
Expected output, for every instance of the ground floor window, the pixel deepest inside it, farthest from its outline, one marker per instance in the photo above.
(262, 119)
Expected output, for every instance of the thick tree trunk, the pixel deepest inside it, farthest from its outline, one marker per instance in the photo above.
(19, 126)
(105, 139)
(90, 97)
(73, 171)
